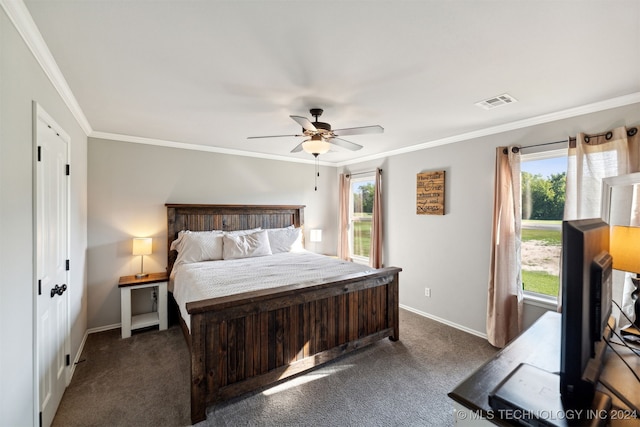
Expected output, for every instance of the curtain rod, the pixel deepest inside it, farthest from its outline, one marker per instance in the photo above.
(364, 173)
(572, 141)
(564, 141)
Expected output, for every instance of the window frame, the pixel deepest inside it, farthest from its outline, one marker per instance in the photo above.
(359, 259)
(536, 298)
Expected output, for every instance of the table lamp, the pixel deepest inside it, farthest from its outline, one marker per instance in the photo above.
(624, 248)
(315, 236)
(142, 247)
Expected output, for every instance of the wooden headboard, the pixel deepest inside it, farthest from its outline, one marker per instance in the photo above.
(227, 218)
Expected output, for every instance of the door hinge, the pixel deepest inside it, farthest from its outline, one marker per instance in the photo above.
(68, 168)
(39, 287)
(39, 153)
(67, 266)
(68, 359)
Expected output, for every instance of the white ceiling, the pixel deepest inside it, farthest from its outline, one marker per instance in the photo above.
(212, 73)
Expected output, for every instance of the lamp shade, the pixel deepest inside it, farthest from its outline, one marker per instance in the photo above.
(624, 247)
(316, 145)
(142, 246)
(315, 235)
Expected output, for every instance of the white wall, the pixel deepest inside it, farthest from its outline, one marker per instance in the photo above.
(450, 253)
(21, 81)
(130, 183)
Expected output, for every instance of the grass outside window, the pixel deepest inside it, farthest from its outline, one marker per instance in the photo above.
(362, 236)
(537, 276)
(540, 282)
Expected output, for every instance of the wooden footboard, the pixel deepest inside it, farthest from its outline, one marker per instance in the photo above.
(241, 343)
(244, 342)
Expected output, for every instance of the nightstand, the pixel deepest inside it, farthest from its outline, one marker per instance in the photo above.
(129, 283)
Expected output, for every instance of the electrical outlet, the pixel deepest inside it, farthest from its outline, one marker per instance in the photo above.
(154, 297)
(427, 292)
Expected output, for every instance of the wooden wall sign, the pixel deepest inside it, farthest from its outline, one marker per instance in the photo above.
(430, 193)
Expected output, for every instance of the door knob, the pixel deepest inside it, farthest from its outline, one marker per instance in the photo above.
(58, 290)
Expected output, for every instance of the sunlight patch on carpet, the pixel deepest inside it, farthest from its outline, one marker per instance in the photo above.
(304, 379)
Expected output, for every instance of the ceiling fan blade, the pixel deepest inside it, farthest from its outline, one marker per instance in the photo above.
(272, 136)
(305, 123)
(298, 147)
(344, 144)
(359, 130)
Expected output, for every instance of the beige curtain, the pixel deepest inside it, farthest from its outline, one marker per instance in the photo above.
(344, 188)
(504, 306)
(592, 158)
(375, 253)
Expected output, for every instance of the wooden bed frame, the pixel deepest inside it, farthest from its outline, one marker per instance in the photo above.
(243, 342)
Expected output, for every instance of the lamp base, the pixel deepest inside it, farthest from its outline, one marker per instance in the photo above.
(632, 333)
(141, 275)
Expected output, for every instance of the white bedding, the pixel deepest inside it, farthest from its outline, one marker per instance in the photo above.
(212, 279)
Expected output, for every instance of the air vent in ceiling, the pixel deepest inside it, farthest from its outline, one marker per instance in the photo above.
(496, 101)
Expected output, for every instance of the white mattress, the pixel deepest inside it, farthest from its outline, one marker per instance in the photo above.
(212, 279)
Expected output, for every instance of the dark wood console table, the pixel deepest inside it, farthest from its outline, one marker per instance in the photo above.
(540, 346)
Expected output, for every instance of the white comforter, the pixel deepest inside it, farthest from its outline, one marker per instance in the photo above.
(212, 279)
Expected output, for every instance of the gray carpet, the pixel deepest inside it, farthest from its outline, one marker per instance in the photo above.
(144, 381)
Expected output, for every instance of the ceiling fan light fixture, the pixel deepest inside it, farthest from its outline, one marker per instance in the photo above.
(316, 145)
(322, 137)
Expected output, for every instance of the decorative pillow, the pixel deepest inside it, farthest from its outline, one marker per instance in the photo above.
(198, 246)
(245, 245)
(285, 239)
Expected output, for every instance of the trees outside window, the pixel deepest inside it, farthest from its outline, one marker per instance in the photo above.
(544, 196)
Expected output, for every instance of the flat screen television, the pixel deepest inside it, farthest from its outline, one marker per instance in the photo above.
(586, 308)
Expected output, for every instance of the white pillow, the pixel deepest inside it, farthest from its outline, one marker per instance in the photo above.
(198, 246)
(245, 246)
(285, 239)
(243, 232)
(191, 231)
(175, 243)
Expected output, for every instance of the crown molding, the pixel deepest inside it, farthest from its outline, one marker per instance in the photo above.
(197, 147)
(19, 15)
(595, 107)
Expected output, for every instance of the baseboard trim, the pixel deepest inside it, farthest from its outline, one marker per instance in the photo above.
(76, 359)
(103, 328)
(445, 321)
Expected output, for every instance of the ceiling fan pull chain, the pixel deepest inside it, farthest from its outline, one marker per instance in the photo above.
(317, 174)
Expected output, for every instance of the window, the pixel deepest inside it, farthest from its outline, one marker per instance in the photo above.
(543, 195)
(362, 191)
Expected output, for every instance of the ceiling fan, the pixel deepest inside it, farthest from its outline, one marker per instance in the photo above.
(321, 136)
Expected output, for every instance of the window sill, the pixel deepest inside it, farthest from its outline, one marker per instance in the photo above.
(360, 260)
(546, 302)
